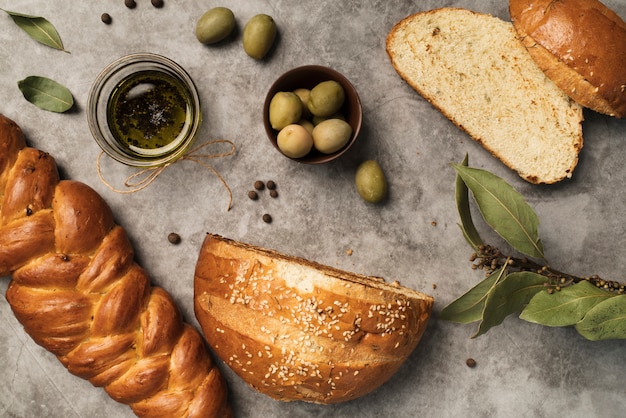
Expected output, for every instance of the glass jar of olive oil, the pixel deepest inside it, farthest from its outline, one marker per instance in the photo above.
(144, 110)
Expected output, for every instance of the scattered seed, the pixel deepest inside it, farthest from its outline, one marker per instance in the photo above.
(131, 4)
(470, 362)
(173, 238)
(253, 195)
(157, 3)
(267, 218)
(273, 193)
(259, 185)
(106, 18)
(271, 185)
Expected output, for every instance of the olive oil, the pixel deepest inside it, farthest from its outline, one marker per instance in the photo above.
(150, 112)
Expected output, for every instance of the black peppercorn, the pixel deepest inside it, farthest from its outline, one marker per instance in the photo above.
(267, 218)
(271, 185)
(273, 193)
(157, 3)
(470, 362)
(259, 185)
(253, 195)
(106, 18)
(131, 4)
(174, 238)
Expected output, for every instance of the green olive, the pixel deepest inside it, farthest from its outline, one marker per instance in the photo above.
(326, 98)
(331, 135)
(307, 124)
(370, 180)
(215, 25)
(318, 119)
(258, 36)
(285, 109)
(304, 94)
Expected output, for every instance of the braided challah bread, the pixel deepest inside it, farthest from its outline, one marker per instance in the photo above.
(79, 293)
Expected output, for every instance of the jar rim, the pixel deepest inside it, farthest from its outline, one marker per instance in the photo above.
(100, 94)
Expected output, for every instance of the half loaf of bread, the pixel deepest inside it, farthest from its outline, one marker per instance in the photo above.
(297, 330)
(476, 71)
(580, 45)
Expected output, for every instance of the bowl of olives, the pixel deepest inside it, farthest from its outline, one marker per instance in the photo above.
(312, 114)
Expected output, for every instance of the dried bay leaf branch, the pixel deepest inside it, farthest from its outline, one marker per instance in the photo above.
(595, 307)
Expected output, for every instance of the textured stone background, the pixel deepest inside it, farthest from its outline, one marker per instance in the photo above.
(522, 370)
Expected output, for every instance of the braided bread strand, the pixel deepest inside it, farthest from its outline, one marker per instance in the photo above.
(79, 293)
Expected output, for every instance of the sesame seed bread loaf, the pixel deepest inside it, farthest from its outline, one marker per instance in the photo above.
(297, 330)
(474, 69)
(580, 45)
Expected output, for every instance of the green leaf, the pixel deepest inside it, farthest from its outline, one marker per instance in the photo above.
(462, 202)
(565, 307)
(504, 209)
(38, 28)
(469, 307)
(605, 321)
(509, 296)
(46, 94)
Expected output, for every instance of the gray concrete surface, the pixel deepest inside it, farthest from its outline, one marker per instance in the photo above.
(522, 370)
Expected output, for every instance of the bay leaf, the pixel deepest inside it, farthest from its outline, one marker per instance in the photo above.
(565, 307)
(38, 28)
(605, 321)
(509, 296)
(462, 203)
(46, 93)
(469, 307)
(504, 209)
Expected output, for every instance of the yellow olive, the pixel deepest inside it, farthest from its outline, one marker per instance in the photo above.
(294, 141)
(258, 36)
(285, 109)
(370, 181)
(215, 25)
(331, 135)
(326, 98)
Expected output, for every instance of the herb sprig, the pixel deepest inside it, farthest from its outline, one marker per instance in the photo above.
(525, 284)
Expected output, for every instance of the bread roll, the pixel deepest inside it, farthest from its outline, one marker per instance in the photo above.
(474, 69)
(297, 330)
(78, 293)
(580, 45)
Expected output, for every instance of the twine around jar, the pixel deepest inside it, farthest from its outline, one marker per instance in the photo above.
(147, 176)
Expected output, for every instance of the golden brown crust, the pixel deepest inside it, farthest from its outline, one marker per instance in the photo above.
(580, 45)
(78, 292)
(311, 332)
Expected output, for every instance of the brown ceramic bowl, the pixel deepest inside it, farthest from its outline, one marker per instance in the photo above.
(309, 76)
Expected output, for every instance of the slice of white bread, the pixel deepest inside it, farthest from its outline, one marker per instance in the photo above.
(297, 330)
(476, 71)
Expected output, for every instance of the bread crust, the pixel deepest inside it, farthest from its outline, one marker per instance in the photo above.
(580, 45)
(298, 330)
(78, 292)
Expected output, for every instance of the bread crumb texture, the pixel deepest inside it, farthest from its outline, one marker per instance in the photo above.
(474, 69)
